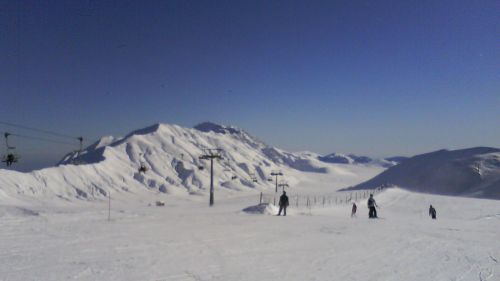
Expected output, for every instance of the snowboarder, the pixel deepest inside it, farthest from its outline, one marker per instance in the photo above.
(432, 212)
(283, 203)
(371, 205)
(354, 209)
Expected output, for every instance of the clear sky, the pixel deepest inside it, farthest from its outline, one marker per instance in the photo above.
(380, 78)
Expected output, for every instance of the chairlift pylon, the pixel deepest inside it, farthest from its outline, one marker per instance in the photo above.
(81, 145)
(78, 153)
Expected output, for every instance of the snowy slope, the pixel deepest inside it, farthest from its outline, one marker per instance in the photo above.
(171, 155)
(186, 240)
(466, 172)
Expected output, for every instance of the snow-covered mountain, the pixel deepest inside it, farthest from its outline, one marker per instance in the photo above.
(336, 158)
(467, 172)
(170, 154)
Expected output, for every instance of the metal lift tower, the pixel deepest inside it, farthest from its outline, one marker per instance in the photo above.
(276, 174)
(211, 154)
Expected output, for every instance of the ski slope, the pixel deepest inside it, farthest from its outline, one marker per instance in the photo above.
(187, 240)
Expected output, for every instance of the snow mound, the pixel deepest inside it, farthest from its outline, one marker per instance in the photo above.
(261, 209)
(15, 211)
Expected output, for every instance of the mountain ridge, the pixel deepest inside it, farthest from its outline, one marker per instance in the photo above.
(170, 157)
(471, 172)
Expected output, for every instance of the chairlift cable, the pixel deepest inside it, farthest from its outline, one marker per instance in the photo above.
(41, 139)
(39, 130)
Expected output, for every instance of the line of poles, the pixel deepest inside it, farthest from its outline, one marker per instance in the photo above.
(322, 200)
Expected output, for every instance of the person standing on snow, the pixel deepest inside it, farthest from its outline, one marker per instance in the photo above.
(283, 203)
(372, 214)
(432, 212)
(354, 209)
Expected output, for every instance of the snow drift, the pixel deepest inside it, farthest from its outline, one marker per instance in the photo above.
(261, 209)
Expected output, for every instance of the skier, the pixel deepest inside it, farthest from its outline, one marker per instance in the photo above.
(432, 212)
(354, 209)
(372, 214)
(283, 203)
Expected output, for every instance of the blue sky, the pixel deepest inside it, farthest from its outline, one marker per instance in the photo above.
(380, 78)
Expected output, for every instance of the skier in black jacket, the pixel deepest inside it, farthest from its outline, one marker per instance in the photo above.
(432, 212)
(283, 203)
(372, 214)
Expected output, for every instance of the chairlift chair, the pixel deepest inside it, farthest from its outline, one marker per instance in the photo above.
(143, 169)
(10, 157)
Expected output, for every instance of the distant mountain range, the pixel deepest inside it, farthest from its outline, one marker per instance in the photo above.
(339, 158)
(471, 172)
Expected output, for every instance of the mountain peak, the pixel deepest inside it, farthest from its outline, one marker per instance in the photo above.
(216, 128)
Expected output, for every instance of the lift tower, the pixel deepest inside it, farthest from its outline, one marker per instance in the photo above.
(276, 174)
(211, 154)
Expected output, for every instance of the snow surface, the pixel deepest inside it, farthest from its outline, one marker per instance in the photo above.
(187, 240)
